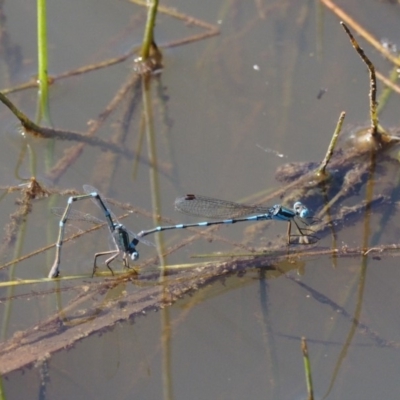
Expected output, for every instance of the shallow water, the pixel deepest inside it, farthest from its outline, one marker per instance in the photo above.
(254, 85)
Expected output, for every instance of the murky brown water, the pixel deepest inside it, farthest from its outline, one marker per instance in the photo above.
(218, 103)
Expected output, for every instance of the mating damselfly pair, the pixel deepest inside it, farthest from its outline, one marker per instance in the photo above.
(228, 212)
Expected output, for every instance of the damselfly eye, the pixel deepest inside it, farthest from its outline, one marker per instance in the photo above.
(134, 255)
(301, 210)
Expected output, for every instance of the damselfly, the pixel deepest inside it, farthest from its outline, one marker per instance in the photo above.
(124, 241)
(202, 206)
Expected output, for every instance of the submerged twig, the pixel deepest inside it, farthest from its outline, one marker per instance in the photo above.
(54, 333)
(29, 193)
(83, 138)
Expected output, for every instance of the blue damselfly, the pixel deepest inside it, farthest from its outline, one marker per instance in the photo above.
(124, 241)
(208, 207)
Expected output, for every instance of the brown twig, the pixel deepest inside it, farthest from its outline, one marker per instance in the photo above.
(372, 81)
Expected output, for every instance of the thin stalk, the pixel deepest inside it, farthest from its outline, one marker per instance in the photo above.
(43, 105)
(148, 38)
(372, 82)
(2, 392)
(307, 369)
(156, 205)
(10, 291)
(321, 171)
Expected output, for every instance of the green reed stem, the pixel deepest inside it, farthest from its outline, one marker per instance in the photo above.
(148, 38)
(307, 369)
(2, 391)
(43, 80)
